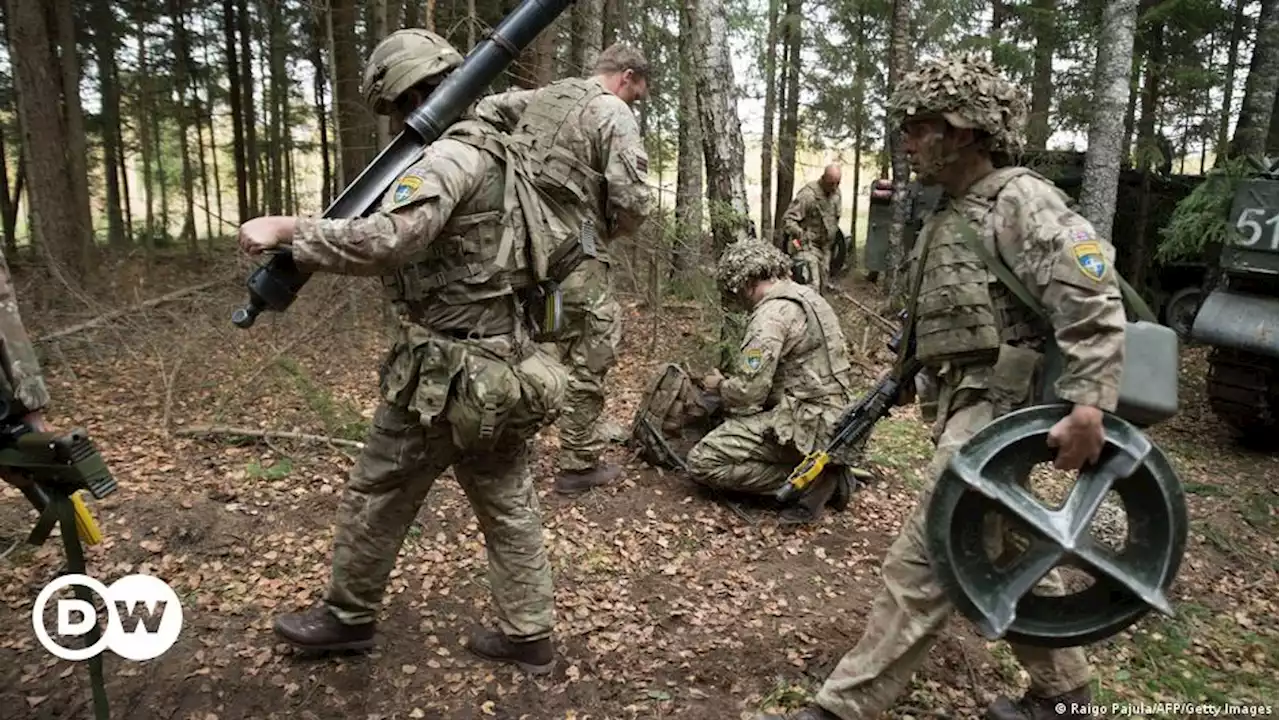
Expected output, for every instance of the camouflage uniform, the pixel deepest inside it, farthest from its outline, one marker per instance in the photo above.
(984, 349)
(814, 218)
(586, 144)
(21, 370)
(790, 384)
(463, 386)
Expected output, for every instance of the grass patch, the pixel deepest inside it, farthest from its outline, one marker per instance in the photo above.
(1259, 510)
(275, 471)
(903, 445)
(785, 696)
(1199, 656)
(341, 419)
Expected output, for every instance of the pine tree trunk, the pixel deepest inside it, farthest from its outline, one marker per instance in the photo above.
(318, 32)
(1273, 133)
(104, 45)
(899, 61)
(766, 136)
(1221, 149)
(380, 32)
(859, 129)
(588, 33)
(721, 129)
(354, 133)
(10, 240)
(229, 25)
(1106, 130)
(1044, 22)
(157, 138)
(11, 215)
(790, 126)
(247, 108)
(279, 93)
(182, 72)
(77, 143)
(44, 135)
(198, 108)
(144, 132)
(207, 118)
(689, 155)
(1250, 137)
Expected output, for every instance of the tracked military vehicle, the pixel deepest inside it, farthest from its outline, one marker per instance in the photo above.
(1238, 316)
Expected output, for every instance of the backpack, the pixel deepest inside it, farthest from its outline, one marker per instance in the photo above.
(674, 414)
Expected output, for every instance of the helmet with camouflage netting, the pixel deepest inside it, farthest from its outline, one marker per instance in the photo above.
(747, 261)
(404, 59)
(968, 92)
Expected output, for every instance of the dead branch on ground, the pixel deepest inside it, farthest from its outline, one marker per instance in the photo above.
(215, 430)
(879, 319)
(106, 317)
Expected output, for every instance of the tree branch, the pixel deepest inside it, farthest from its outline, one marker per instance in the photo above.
(208, 431)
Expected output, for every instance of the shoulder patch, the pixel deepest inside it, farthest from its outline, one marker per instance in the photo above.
(1089, 257)
(406, 187)
(752, 359)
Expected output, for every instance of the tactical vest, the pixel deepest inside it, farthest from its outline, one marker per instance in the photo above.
(560, 154)
(480, 254)
(963, 311)
(817, 366)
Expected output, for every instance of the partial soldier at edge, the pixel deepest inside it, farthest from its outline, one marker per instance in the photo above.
(21, 367)
(464, 385)
(583, 136)
(961, 121)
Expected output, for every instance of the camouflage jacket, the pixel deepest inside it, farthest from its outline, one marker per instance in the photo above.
(812, 216)
(17, 353)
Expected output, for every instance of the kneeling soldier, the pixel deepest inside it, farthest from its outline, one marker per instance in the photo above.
(789, 388)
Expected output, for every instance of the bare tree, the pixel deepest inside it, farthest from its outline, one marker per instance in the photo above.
(1106, 130)
(1260, 89)
(721, 129)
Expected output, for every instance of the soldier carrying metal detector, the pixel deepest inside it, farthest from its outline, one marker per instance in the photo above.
(1015, 310)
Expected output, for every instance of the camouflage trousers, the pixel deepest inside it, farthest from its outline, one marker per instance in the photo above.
(912, 608)
(399, 465)
(818, 262)
(588, 350)
(741, 455)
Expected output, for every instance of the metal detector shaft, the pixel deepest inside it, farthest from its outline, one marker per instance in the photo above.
(275, 285)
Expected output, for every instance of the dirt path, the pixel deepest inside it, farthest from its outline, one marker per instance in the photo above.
(669, 604)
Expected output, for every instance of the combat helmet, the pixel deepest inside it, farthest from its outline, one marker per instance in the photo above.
(968, 92)
(749, 260)
(402, 60)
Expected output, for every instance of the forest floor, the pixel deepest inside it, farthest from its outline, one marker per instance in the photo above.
(670, 605)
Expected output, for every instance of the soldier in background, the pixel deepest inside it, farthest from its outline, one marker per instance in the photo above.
(961, 119)
(811, 223)
(787, 391)
(583, 137)
(464, 384)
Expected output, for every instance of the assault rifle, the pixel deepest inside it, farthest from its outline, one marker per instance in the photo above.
(858, 421)
(52, 469)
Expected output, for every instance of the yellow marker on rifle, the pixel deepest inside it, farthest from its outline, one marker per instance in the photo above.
(86, 525)
(804, 474)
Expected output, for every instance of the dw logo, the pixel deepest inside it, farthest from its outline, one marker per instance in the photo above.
(144, 617)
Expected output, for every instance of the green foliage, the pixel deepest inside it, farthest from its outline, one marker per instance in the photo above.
(1200, 220)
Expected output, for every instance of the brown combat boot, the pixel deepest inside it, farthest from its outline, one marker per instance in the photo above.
(575, 482)
(813, 712)
(1073, 704)
(535, 658)
(319, 630)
